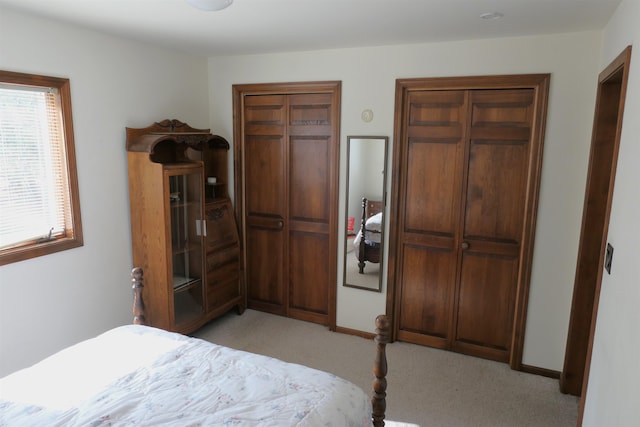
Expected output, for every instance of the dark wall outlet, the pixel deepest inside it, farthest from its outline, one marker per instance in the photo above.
(608, 258)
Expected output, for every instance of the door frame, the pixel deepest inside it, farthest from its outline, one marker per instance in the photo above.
(540, 84)
(240, 91)
(603, 157)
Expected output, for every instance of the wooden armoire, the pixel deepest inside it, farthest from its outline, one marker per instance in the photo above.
(286, 172)
(183, 230)
(467, 163)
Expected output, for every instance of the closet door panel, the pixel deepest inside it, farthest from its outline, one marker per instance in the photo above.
(498, 163)
(429, 222)
(265, 273)
(494, 205)
(265, 151)
(264, 114)
(438, 109)
(497, 181)
(265, 221)
(308, 250)
(485, 305)
(265, 196)
(511, 108)
(311, 114)
(428, 276)
(435, 134)
(265, 182)
(312, 151)
(433, 182)
(309, 227)
(309, 176)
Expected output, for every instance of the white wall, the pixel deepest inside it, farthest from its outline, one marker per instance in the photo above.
(50, 302)
(614, 382)
(366, 177)
(368, 81)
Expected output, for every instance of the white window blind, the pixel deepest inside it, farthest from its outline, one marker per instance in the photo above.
(33, 182)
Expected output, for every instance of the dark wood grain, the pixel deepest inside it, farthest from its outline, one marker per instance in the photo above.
(287, 169)
(160, 156)
(603, 157)
(138, 302)
(467, 162)
(378, 399)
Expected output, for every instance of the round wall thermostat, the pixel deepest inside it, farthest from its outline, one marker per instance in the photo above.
(367, 115)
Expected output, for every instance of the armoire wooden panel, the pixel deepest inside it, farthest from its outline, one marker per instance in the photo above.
(287, 138)
(466, 175)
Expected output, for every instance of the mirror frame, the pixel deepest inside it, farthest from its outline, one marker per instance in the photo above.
(385, 141)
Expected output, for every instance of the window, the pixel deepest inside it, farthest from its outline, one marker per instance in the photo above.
(39, 204)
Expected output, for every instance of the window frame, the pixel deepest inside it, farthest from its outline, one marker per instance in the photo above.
(72, 236)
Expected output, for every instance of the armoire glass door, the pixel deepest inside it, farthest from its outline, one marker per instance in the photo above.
(185, 206)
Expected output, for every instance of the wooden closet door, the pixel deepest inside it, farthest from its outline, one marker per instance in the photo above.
(494, 211)
(428, 239)
(311, 198)
(290, 166)
(265, 195)
(466, 176)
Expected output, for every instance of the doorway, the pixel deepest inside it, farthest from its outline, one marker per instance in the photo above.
(612, 86)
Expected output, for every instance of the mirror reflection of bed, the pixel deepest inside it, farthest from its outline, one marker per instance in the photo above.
(366, 172)
(363, 267)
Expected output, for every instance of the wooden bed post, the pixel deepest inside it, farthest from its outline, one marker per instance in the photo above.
(138, 302)
(378, 400)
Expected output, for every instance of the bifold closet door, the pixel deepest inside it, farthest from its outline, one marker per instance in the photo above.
(464, 191)
(494, 198)
(429, 237)
(265, 195)
(290, 192)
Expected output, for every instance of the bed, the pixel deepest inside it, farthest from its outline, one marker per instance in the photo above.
(368, 240)
(139, 375)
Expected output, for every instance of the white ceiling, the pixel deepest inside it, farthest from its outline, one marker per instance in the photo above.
(265, 26)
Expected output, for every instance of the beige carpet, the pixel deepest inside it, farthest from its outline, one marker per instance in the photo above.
(370, 278)
(426, 386)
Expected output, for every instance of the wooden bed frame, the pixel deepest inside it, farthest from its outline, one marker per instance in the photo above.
(368, 252)
(378, 398)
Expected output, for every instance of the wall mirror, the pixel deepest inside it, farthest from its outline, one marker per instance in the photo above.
(364, 236)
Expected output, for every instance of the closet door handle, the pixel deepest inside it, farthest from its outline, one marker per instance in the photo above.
(465, 246)
(280, 224)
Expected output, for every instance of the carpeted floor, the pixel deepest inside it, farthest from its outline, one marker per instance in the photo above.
(370, 278)
(426, 386)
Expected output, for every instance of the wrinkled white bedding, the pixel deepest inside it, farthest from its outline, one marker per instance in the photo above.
(142, 376)
(373, 226)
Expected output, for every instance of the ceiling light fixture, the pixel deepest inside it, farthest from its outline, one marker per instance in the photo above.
(491, 15)
(210, 5)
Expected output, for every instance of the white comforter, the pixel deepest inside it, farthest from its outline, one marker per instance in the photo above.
(142, 376)
(372, 226)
